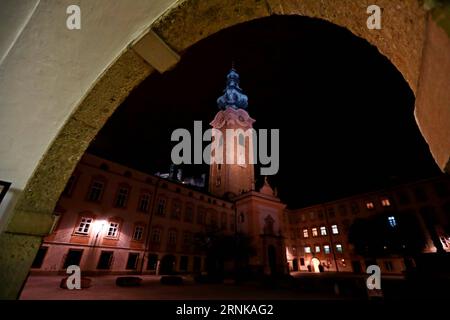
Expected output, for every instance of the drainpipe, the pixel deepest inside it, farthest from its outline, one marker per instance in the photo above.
(147, 235)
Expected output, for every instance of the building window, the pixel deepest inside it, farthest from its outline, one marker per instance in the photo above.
(339, 248)
(392, 221)
(84, 225)
(96, 190)
(323, 231)
(331, 213)
(184, 261)
(132, 261)
(144, 202)
(200, 215)
(122, 197)
(326, 249)
(69, 187)
(320, 215)
(39, 259)
(314, 232)
(307, 249)
(161, 208)
(73, 258)
(104, 262)
(312, 215)
(385, 202)
(138, 233)
(317, 249)
(305, 233)
(370, 205)
(113, 229)
(152, 262)
(354, 207)
(334, 229)
(172, 240)
(176, 209)
(189, 213)
(187, 238)
(156, 235)
(343, 210)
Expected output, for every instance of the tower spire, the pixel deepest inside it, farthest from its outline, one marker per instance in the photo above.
(233, 95)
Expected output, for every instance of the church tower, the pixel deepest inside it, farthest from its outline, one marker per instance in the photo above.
(235, 175)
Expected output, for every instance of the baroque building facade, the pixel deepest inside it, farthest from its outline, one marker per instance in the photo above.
(114, 219)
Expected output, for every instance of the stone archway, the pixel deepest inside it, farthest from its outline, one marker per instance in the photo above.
(401, 40)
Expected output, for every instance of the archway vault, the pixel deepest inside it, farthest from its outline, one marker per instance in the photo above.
(401, 40)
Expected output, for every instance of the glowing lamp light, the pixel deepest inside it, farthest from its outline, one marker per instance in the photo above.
(98, 226)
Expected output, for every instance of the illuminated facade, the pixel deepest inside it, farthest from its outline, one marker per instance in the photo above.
(319, 235)
(113, 219)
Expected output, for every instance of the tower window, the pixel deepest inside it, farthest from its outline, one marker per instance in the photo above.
(314, 232)
(323, 231)
(307, 249)
(326, 249)
(385, 202)
(317, 249)
(339, 248)
(392, 221)
(370, 205)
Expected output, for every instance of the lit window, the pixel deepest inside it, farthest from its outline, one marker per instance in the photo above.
(305, 233)
(370, 205)
(138, 232)
(122, 197)
(385, 202)
(113, 229)
(314, 232)
(334, 229)
(160, 210)
(392, 221)
(339, 248)
(84, 225)
(95, 191)
(156, 235)
(307, 249)
(323, 231)
(172, 237)
(144, 202)
(317, 249)
(326, 249)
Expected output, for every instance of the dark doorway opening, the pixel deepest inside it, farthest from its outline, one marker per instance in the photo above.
(295, 265)
(132, 261)
(39, 259)
(197, 264)
(152, 262)
(167, 264)
(104, 262)
(73, 258)
(356, 265)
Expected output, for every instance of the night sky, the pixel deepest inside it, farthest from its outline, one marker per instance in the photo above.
(344, 112)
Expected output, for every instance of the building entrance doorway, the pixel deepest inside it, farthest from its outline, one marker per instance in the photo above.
(315, 265)
(295, 265)
(271, 252)
(167, 264)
